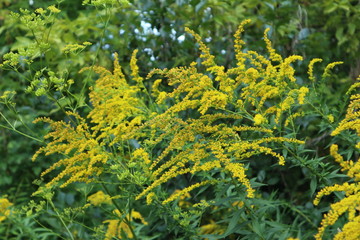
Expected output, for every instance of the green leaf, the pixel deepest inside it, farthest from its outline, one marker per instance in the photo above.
(331, 8)
(351, 28)
(313, 185)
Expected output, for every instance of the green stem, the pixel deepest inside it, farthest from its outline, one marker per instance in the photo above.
(301, 214)
(17, 131)
(62, 221)
(96, 53)
(127, 221)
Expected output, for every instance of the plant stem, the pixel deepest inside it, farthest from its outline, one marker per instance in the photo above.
(17, 131)
(62, 221)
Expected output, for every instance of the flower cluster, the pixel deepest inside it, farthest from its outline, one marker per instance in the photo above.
(99, 198)
(220, 104)
(210, 122)
(120, 227)
(4, 208)
(83, 155)
(351, 202)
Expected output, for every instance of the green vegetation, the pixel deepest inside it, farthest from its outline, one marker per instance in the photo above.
(187, 119)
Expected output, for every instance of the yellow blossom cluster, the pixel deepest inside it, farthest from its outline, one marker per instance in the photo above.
(116, 108)
(212, 228)
(198, 123)
(83, 155)
(4, 208)
(211, 138)
(185, 192)
(121, 226)
(351, 203)
(99, 198)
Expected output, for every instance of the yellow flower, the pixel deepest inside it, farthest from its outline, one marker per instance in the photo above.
(134, 68)
(237, 170)
(259, 119)
(214, 99)
(302, 92)
(142, 154)
(252, 73)
(240, 57)
(273, 55)
(212, 228)
(182, 194)
(350, 204)
(83, 155)
(331, 118)
(116, 227)
(311, 68)
(209, 59)
(4, 208)
(99, 198)
(329, 67)
(150, 198)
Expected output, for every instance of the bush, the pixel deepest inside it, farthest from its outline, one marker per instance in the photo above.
(202, 151)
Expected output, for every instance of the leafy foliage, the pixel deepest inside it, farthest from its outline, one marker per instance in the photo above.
(228, 143)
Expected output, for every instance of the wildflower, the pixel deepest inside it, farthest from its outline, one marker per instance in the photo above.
(351, 120)
(214, 99)
(4, 208)
(239, 204)
(252, 73)
(331, 118)
(117, 227)
(150, 197)
(7, 95)
(134, 68)
(87, 156)
(302, 92)
(350, 204)
(141, 153)
(99, 198)
(329, 67)
(286, 69)
(259, 119)
(87, 43)
(292, 117)
(240, 57)
(75, 48)
(238, 171)
(273, 55)
(182, 194)
(311, 68)
(209, 59)
(212, 228)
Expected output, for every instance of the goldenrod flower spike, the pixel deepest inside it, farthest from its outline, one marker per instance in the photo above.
(329, 67)
(240, 57)
(209, 58)
(134, 68)
(273, 55)
(87, 155)
(116, 227)
(350, 204)
(311, 68)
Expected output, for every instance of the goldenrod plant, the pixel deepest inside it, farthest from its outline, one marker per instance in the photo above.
(350, 204)
(198, 151)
